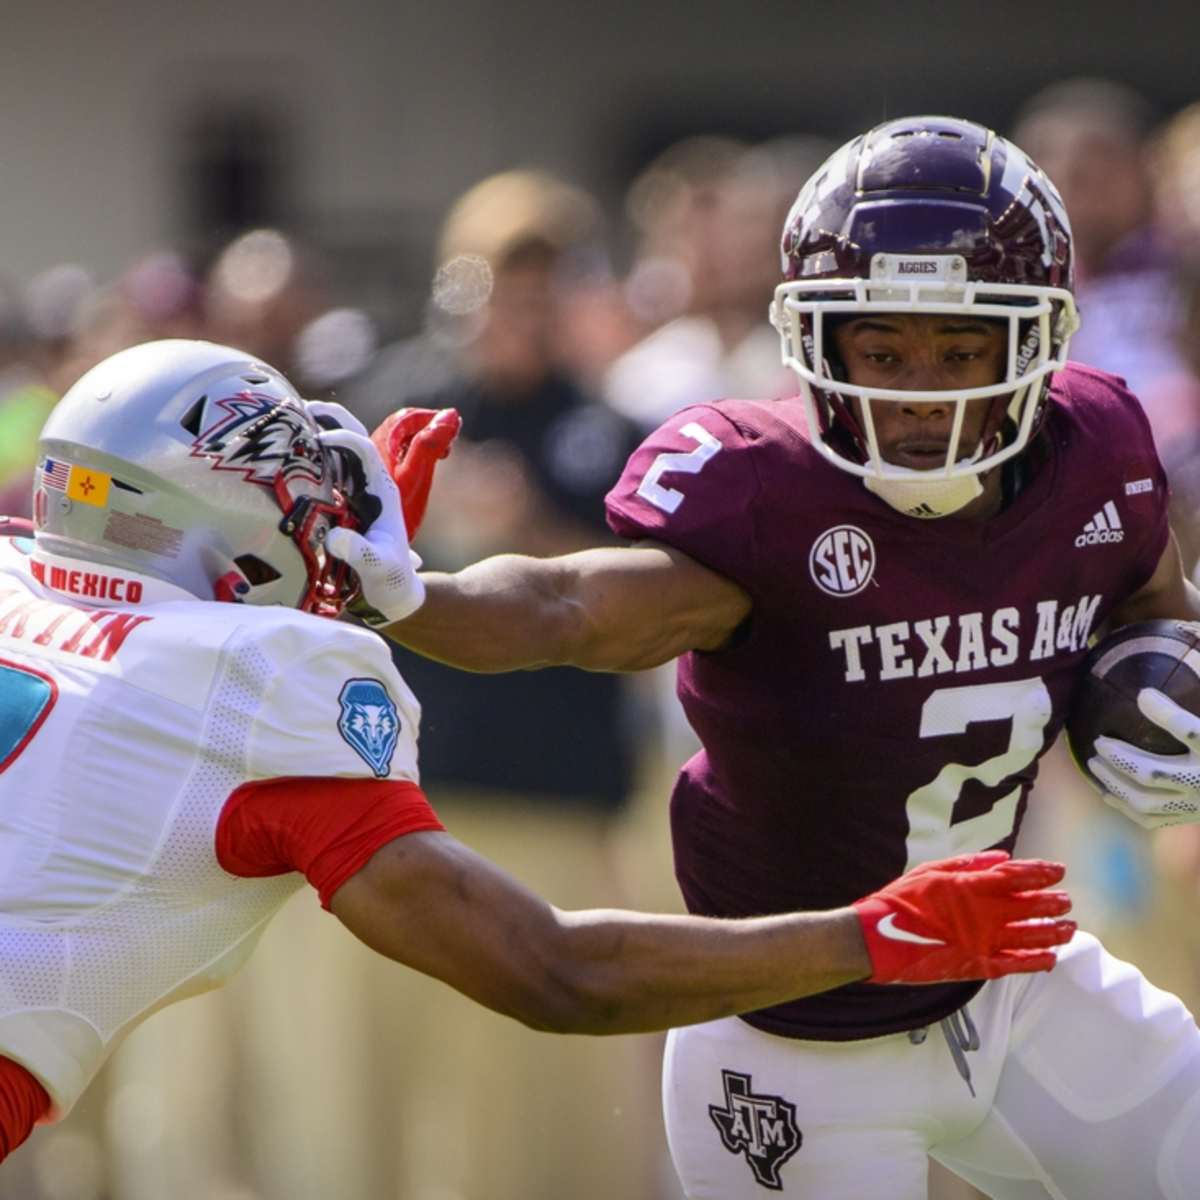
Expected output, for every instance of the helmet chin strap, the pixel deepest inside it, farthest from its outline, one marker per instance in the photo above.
(915, 494)
(925, 494)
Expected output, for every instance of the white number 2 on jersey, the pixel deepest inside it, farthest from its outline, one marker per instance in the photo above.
(689, 463)
(947, 711)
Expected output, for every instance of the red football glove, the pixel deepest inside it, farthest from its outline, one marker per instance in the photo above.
(965, 918)
(411, 441)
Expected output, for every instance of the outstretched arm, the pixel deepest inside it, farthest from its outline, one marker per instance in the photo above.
(429, 902)
(609, 609)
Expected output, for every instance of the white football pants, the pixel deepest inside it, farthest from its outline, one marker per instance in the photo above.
(1086, 1087)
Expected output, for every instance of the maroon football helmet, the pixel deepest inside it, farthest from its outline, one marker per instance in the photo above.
(926, 215)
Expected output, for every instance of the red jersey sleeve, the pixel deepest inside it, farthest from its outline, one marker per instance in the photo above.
(327, 828)
(23, 1102)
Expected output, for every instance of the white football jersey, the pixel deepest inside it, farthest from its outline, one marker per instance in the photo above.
(129, 712)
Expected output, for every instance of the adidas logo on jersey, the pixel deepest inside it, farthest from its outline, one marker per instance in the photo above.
(1104, 527)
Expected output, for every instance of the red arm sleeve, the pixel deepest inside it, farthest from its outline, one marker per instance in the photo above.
(326, 828)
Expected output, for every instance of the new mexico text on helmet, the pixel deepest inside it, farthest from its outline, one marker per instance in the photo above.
(926, 215)
(195, 464)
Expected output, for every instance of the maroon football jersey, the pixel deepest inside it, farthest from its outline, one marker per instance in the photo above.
(897, 679)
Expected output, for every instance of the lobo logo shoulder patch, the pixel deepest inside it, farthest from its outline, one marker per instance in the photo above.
(369, 722)
(761, 1127)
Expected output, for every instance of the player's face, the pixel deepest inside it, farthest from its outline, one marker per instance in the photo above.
(928, 353)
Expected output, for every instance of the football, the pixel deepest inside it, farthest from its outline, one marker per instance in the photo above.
(1158, 654)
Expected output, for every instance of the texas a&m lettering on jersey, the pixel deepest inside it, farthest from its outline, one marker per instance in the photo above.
(959, 644)
(889, 695)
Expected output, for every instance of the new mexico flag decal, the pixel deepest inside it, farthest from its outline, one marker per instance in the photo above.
(91, 487)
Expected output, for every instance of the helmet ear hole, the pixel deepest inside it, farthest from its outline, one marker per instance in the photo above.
(256, 570)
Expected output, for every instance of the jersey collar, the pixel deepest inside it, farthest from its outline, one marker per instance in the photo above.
(99, 585)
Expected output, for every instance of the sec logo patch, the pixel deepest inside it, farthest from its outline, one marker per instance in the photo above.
(842, 560)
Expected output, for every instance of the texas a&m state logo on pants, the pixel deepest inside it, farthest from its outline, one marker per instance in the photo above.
(763, 1128)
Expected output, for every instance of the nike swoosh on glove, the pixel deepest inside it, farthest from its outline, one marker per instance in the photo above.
(380, 557)
(1153, 789)
(978, 916)
(412, 441)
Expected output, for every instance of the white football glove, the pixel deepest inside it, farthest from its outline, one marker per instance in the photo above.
(1153, 789)
(380, 556)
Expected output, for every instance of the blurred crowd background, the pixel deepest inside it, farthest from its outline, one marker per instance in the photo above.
(567, 282)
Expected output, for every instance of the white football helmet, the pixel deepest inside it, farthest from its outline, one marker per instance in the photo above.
(199, 465)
